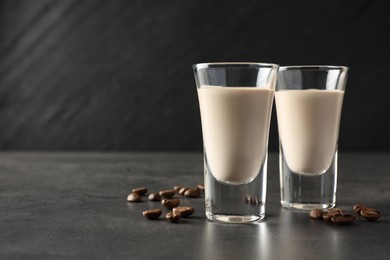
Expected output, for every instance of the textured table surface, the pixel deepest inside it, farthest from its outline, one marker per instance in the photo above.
(73, 206)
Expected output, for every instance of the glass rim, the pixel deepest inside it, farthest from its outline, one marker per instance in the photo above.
(314, 67)
(222, 64)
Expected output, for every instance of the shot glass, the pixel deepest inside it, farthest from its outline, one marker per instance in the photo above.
(308, 105)
(235, 105)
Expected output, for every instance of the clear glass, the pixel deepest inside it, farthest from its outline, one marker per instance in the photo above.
(308, 103)
(235, 105)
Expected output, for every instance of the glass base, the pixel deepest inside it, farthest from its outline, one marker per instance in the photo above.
(235, 203)
(306, 206)
(234, 219)
(306, 192)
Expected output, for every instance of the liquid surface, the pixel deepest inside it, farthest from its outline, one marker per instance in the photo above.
(308, 123)
(235, 125)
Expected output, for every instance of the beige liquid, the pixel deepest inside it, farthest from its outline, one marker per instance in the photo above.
(308, 123)
(235, 125)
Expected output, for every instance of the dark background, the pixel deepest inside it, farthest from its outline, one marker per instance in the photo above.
(116, 75)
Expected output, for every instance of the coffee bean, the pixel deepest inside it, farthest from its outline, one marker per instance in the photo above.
(255, 201)
(184, 211)
(173, 217)
(327, 215)
(167, 193)
(334, 210)
(358, 207)
(177, 188)
(192, 193)
(316, 213)
(154, 196)
(134, 197)
(201, 187)
(343, 218)
(182, 190)
(247, 198)
(252, 200)
(152, 213)
(170, 203)
(140, 191)
(370, 214)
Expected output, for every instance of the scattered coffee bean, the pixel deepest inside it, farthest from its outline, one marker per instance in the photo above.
(173, 217)
(177, 188)
(247, 198)
(327, 215)
(192, 193)
(184, 211)
(370, 214)
(154, 196)
(343, 218)
(316, 213)
(134, 197)
(170, 203)
(140, 191)
(358, 207)
(337, 216)
(252, 200)
(201, 187)
(182, 190)
(334, 210)
(152, 213)
(255, 201)
(167, 193)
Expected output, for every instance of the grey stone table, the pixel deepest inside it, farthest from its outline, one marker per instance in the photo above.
(73, 206)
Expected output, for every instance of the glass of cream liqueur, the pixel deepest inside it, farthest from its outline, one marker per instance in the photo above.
(308, 103)
(235, 102)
